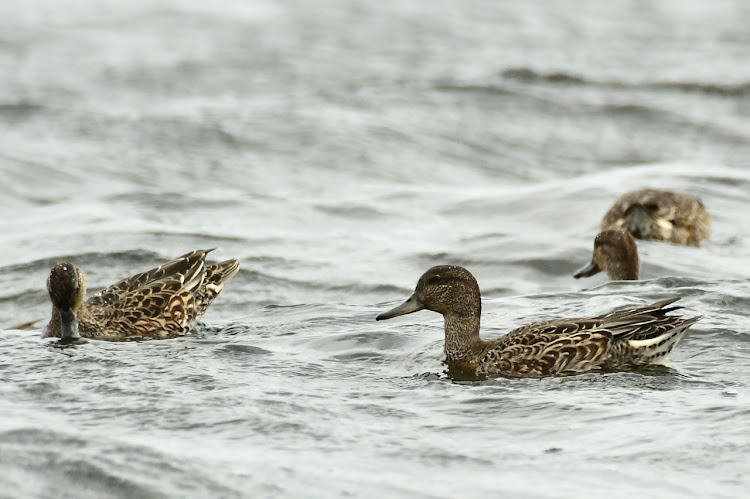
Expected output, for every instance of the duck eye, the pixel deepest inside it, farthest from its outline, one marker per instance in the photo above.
(434, 279)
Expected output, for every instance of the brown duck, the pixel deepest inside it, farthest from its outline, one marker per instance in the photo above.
(661, 215)
(160, 303)
(623, 339)
(616, 254)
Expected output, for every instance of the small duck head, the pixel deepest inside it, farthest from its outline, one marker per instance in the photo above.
(615, 253)
(449, 290)
(66, 285)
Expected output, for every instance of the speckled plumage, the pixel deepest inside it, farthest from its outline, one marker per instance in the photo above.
(616, 254)
(619, 340)
(163, 302)
(660, 215)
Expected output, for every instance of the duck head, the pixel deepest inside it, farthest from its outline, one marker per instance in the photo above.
(615, 253)
(66, 286)
(449, 290)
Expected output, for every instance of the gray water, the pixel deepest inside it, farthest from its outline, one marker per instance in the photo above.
(338, 149)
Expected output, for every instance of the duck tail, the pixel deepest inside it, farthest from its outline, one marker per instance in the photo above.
(215, 277)
(656, 350)
(219, 273)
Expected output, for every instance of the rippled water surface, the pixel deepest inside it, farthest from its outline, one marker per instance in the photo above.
(338, 149)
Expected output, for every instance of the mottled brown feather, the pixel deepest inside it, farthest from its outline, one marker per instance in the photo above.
(638, 212)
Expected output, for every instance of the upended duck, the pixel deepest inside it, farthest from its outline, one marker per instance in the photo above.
(163, 302)
(619, 340)
(660, 215)
(615, 253)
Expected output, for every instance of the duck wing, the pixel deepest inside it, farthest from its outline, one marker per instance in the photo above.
(642, 323)
(179, 266)
(570, 346)
(161, 300)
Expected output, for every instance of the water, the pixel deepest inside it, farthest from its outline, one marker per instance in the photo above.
(338, 150)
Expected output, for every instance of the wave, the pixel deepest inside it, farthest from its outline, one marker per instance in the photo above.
(19, 111)
(527, 75)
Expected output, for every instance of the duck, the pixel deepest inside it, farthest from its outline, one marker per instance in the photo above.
(163, 302)
(620, 340)
(660, 215)
(615, 253)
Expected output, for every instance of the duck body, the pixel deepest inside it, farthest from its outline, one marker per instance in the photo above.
(660, 215)
(624, 339)
(163, 302)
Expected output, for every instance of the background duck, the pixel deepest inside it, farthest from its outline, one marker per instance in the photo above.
(661, 215)
(162, 302)
(622, 339)
(615, 253)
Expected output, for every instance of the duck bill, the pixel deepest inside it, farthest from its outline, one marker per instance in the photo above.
(587, 271)
(409, 306)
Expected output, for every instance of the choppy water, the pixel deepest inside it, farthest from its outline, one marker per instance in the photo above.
(339, 149)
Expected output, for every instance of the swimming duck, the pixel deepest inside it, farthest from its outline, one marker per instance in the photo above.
(661, 215)
(159, 303)
(615, 253)
(623, 339)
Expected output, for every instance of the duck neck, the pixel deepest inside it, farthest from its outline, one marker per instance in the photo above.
(462, 341)
(624, 272)
(67, 323)
(626, 268)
